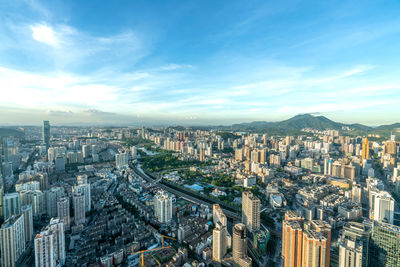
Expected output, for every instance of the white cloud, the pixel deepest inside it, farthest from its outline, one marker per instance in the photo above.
(44, 34)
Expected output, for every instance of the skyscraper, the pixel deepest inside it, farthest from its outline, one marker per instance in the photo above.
(163, 207)
(12, 238)
(50, 245)
(250, 211)
(365, 150)
(46, 134)
(79, 208)
(239, 248)
(63, 211)
(219, 242)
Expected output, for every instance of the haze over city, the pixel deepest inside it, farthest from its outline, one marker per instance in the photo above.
(198, 63)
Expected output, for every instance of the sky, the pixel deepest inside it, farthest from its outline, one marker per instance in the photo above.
(198, 62)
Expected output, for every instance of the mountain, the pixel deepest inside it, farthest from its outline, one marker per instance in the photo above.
(7, 132)
(295, 124)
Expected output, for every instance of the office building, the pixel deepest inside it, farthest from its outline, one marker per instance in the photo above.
(49, 245)
(250, 211)
(385, 245)
(12, 238)
(46, 134)
(28, 222)
(85, 190)
(239, 248)
(79, 208)
(219, 242)
(11, 205)
(63, 211)
(163, 207)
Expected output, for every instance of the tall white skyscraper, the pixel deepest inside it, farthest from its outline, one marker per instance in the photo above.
(50, 245)
(219, 242)
(12, 238)
(63, 211)
(52, 196)
(163, 207)
(11, 205)
(85, 190)
(79, 208)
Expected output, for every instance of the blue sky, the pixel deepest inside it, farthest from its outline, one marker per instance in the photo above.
(198, 62)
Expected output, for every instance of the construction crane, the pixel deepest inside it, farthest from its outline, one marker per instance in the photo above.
(154, 249)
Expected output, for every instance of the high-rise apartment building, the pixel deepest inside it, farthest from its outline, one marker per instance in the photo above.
(50, 245)
(354, 245)
(218, 215)
(63, 211)
(11, 205)
(365, 150)
(12, 238)
(251, 211)
(52, 196)
(46, 134)
(239, 247)
(314, 249)
(305, 243)
(219, 242)
(28, 222)
(292, 236)
(163, 207)
(121, 160)
(79, 208)
(382, 207)
(85, 190)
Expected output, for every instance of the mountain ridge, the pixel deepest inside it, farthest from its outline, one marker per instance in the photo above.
(302, 121)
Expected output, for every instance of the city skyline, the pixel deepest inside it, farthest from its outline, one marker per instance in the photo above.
(196, 64)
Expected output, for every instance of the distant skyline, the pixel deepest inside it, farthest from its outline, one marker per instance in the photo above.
(198, 63)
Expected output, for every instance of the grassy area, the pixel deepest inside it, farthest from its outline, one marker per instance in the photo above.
(166, 161)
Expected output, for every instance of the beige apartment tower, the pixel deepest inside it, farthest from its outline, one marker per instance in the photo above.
(219, 242)
(250, 211)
